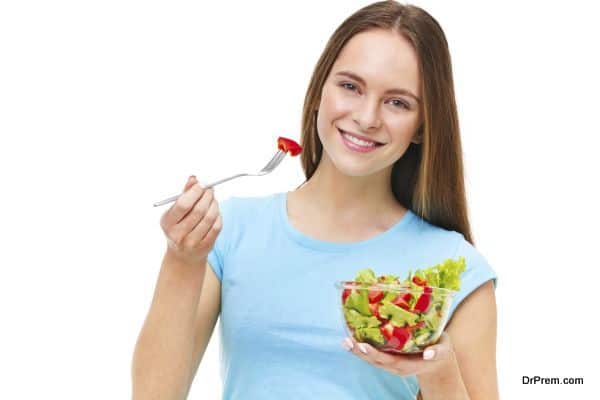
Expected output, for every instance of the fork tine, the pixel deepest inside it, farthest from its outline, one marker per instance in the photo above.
(278, 161)
(271, 161)
(274, 161)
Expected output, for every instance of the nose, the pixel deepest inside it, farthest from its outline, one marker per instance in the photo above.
(367, 116)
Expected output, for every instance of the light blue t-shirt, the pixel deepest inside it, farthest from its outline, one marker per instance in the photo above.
(281, 324)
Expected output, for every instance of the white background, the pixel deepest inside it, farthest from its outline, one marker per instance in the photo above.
(108, 106)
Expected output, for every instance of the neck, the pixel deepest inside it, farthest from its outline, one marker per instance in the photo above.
(339, 196)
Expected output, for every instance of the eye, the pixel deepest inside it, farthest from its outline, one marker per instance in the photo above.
(346, 85)
(400, 104)
(397, 103)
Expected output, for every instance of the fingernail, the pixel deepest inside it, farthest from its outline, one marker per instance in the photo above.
(362, 348)
(192, 177)
(347, 344)
(428, 354)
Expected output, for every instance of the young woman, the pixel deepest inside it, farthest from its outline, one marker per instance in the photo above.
(384, 189)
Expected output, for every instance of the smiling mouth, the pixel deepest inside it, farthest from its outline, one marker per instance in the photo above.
(358, 141)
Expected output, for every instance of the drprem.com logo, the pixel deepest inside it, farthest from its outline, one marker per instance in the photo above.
(534, 380)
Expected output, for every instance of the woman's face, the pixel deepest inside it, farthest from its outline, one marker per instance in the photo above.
(358, 98)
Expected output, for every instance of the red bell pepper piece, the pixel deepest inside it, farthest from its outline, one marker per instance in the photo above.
(288, 145)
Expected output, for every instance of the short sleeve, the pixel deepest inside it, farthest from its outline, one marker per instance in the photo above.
(217, 255)
(477, 272)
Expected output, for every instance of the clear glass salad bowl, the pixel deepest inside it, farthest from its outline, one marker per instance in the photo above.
(392, 317)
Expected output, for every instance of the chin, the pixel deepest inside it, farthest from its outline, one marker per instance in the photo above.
(354, 168)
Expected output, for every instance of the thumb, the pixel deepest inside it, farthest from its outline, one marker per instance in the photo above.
(439, 351)
(190, 182)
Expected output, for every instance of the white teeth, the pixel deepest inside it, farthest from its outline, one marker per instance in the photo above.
(358, 141)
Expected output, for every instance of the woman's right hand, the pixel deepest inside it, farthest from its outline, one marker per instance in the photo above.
(192, 224)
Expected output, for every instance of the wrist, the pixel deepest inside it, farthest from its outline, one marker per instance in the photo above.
(441, 369)
(443, 382)
(181, 260)
(180, 271)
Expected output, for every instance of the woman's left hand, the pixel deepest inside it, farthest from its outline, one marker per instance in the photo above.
(434, 357)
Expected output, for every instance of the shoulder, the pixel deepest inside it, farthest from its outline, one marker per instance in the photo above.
(478, 271)
(439, 241)
(239, 216)
(431, 238)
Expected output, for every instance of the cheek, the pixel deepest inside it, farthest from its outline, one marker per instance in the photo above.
(402, 127)
(334, 103)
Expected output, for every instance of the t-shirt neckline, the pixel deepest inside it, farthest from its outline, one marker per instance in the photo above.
(322, 245)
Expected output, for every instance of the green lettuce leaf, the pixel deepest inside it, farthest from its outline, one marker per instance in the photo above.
(397, 315)
(357, 320)
(443, 275)
(387, 279)
(366, 276)
(359, 301)
(369, 334)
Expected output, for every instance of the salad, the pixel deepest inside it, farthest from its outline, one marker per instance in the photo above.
(401, 316)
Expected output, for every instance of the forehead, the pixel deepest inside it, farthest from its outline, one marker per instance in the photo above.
(383, 58)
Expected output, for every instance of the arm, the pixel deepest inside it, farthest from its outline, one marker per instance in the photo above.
(169, 345)
(472, 367)
(209, 308)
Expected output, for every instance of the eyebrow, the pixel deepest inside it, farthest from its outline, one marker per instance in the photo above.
(390, 91)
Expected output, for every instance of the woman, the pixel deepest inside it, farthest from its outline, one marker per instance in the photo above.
(384, 189)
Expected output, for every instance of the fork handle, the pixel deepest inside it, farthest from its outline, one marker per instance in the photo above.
(173, 198)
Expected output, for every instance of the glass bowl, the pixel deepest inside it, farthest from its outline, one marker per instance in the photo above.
(394, 318)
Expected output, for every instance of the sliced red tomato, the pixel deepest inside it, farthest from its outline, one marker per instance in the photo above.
(375, 296)
(374, 307)
(288, 145)
(423, 302)
(400, 336)
(406, 296)
(400, 302)
(345, 295)
(387, 330)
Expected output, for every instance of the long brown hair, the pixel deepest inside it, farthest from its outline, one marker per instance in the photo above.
(428, 179)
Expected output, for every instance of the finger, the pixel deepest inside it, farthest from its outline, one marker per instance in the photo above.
(382, 357)
(203, 227)
(399, 364)
(184, 205)
(193, 217)
(205, 233)
(369, 353)
(442, 350)
(190, 182)
(169, 217)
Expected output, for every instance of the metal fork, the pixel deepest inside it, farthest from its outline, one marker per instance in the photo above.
(277, 158)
